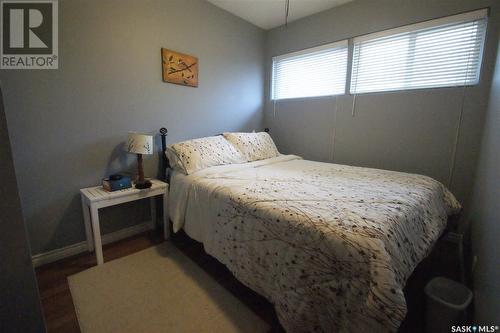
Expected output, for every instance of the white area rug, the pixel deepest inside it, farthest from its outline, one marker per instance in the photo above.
(157, 290)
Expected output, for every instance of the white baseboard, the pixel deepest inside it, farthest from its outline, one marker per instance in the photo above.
(57, 254)
(71, 250)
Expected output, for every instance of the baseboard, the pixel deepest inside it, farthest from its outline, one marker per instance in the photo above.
(126, 232)
(57, 254)
(74, 249)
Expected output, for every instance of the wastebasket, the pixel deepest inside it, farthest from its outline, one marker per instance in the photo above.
(446, 304)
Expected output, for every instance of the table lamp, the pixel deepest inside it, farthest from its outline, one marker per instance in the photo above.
(140, 144)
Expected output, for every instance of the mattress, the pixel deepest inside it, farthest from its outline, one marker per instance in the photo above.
(331, 246)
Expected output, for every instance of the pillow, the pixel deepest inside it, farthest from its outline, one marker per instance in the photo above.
(193, 155)
(254, 146)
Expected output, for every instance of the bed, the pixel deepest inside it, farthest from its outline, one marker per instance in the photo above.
(331, 246)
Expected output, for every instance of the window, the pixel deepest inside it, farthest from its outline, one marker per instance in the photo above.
(439, 53)
(318, 71)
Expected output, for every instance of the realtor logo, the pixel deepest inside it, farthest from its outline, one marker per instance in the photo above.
(29, 34)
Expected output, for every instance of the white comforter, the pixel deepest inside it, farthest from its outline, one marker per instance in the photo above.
(331, 246)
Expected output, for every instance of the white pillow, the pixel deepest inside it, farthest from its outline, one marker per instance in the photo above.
(254, 146)
(193, 155)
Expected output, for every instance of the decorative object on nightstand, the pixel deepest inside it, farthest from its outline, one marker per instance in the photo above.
(116, 182)
(140, 144)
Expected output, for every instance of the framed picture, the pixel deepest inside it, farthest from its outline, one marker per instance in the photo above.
(179, 68)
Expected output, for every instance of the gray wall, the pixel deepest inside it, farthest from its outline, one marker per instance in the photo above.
(485, 215)
(67, 126)
(20, 309)
(412, 131)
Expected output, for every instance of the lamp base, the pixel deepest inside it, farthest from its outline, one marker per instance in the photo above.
(143, 185)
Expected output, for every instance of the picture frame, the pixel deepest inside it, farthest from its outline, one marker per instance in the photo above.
(179, 68)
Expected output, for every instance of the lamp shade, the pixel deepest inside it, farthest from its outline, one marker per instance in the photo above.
(140, 143)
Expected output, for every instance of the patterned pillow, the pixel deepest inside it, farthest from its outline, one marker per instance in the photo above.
(193, 155)
(254, 146)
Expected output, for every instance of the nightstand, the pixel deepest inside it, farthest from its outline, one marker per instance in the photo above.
(94, 198)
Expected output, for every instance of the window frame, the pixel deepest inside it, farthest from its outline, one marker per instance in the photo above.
(479, 14)
(350, 44)
(344, 43)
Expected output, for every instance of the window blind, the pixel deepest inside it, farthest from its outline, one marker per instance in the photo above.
(318, 71)
(438, 53)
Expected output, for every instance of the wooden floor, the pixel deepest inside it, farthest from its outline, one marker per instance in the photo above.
(56, 299)
(60, 314)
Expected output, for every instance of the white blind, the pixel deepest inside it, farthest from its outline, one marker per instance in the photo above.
(318, 71)
(439, 53)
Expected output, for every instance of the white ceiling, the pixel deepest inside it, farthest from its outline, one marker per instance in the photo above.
(269, 14)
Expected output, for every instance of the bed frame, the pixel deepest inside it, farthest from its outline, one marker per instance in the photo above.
(164, 162)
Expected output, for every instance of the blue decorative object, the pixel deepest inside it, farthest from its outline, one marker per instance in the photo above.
(116, 182)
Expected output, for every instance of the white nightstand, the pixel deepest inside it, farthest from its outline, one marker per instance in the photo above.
(96, 197)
